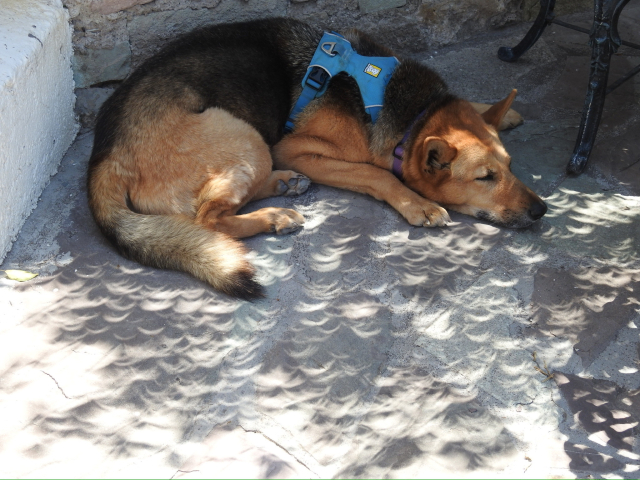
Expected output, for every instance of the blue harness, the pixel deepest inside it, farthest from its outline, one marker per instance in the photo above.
(334, 55)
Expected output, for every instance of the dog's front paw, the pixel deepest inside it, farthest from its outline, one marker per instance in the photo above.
(511, 119)
(425, 214)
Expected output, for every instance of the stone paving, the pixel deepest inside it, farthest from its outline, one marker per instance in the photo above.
(382, 350)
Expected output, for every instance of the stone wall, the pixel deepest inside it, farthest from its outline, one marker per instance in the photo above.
(113, 36)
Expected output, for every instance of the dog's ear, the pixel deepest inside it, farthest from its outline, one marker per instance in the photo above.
(437, 154)
(496, 113)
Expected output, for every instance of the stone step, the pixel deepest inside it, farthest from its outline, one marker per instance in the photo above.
(37, 122)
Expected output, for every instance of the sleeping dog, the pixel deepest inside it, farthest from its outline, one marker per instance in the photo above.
(233, 113)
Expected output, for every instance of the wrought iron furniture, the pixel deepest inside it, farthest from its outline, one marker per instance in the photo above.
(604, 42)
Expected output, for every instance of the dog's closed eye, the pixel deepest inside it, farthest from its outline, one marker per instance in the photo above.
(487, 178)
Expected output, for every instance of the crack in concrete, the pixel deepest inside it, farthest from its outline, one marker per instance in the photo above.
(278, 445)
(291, 435)
(182, 471)
(57, 384)
(561, 410)
(524, 404)
(631, 165)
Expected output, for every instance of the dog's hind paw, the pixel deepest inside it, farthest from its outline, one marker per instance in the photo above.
(285, 221)
(296, 185)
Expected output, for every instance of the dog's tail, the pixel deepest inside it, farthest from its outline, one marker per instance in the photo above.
(169, 241)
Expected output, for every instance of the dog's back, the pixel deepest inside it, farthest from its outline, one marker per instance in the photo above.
(142, 184)
(249, 68)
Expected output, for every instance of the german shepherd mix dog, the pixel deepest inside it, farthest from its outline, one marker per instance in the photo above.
(196, 133)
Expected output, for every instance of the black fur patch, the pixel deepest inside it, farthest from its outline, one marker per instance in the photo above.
(414, 88)
(249, 68)
(245, 287)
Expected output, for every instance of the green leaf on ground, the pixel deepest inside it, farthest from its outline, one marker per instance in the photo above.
(19, 275)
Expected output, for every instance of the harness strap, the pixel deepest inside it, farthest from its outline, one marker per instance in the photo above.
(333, 55)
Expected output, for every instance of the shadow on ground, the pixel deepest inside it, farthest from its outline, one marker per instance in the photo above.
(381, 350)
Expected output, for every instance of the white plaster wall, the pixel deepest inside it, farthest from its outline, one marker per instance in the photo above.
(37, 122)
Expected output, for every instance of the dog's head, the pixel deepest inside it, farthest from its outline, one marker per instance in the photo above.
(458, 161)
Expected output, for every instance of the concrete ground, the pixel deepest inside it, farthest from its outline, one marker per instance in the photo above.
(382, 350)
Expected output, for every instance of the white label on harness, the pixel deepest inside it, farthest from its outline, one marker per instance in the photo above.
(372, 70)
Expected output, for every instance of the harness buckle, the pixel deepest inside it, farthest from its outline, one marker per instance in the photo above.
(317, 78)
(327, 47)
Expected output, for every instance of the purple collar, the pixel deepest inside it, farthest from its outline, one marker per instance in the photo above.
(398, 157)
(398, 152)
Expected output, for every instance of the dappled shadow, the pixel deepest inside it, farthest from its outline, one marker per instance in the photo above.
(380, 350)
(141, 360)
(322, 370)
(430, 265)
(420, 426)
(586, 306)
(606, 411)
(128, 362)
(134, 357)
(147, 359)
(585, 221)
(363, 284)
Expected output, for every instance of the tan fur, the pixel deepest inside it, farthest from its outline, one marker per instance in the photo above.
(333, 150)
(189, 174)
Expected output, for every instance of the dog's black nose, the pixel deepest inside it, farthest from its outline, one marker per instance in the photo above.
(537, 210)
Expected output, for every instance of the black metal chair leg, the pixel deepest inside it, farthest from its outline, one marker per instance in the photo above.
(604, 42)
(545, 15)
